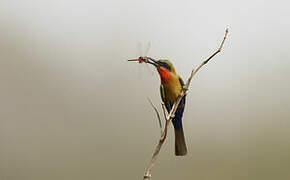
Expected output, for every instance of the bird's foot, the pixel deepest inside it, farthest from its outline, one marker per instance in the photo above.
(185, 88)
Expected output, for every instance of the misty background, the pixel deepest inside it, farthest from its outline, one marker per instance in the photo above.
(72, 107)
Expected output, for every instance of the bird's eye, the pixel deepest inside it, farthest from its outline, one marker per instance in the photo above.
(166, 66)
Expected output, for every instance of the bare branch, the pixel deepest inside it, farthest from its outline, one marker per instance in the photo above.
(157, 113)
(169, 117)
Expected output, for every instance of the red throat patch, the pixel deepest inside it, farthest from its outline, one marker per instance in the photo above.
(164, 74)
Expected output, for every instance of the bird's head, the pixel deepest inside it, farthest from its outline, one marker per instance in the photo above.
(165, 65)
(165, 69)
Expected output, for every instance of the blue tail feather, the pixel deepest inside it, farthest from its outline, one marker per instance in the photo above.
(177, 120)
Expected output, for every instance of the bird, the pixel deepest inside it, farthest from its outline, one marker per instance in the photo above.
(170, 87)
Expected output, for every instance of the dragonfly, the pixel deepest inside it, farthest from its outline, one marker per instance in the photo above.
(143, 58)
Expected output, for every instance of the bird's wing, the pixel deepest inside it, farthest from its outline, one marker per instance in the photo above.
(181, 81)
(163, 97)
(162, 92)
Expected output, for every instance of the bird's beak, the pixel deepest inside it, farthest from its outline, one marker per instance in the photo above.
(153, 62)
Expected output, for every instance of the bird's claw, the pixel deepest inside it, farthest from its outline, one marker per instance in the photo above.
(185, 88)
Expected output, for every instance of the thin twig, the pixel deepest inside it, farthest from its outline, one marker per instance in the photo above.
(169, 117)
(157, 113)
(163, 109)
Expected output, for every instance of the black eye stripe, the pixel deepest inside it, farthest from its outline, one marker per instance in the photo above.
(166, 66)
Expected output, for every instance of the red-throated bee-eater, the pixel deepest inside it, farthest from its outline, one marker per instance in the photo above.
(170, 88)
